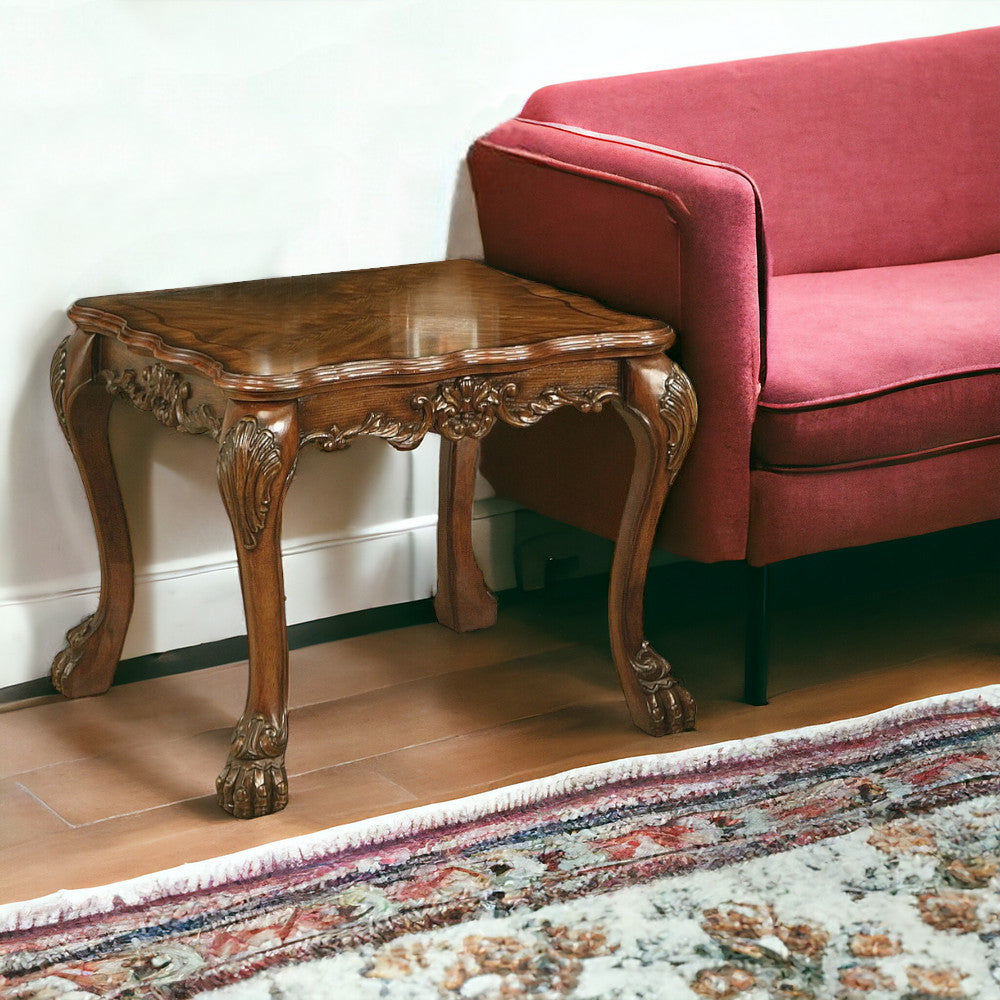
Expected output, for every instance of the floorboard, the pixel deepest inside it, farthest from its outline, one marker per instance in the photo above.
(106, 788)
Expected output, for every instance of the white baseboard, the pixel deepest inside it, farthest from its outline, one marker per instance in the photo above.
(188, 604)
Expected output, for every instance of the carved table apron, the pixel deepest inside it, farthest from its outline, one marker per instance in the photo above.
(268, 367)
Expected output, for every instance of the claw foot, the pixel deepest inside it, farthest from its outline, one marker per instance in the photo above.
(250, 789)
(254, 781)
(669, 707)
(65, 677)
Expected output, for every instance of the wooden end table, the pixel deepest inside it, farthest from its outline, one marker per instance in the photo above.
(267, 367)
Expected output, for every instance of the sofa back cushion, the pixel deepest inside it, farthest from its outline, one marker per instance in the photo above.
(864, 157)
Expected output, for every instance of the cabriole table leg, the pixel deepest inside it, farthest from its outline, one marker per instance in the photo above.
(255, 467)
(463, 601)
(87, 664)
(660, 410)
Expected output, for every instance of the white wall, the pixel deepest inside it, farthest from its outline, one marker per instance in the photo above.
(155, 143)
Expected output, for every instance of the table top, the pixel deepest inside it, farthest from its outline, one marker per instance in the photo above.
(299, 334)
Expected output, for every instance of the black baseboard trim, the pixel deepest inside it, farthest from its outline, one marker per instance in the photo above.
(234, 649)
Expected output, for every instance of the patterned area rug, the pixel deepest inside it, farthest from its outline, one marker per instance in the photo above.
(860, 860)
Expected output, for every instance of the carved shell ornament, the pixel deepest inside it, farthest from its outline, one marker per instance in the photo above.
(163, 393)
(469, 407)
(678, 407)
(465, 407)
(57, 382)
(249, 462)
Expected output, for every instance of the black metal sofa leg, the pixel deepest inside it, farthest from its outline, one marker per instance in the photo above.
(757, 639)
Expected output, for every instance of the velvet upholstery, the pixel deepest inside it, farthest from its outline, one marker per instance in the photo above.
(823, 230)
(866, 156)
(552, 211)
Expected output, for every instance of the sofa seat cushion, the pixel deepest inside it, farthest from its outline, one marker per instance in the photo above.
(880, 364)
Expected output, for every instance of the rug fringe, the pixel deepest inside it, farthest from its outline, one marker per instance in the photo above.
(199, 876)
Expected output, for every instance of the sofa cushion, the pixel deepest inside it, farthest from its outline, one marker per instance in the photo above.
(880, 364)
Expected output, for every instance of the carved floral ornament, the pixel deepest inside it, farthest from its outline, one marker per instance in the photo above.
(465, 407)
(76, 641)
(165, 394)
(259, 738)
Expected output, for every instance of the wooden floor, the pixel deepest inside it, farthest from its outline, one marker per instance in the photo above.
(106, 788)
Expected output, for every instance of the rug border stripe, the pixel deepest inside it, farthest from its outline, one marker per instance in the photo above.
(675, 766)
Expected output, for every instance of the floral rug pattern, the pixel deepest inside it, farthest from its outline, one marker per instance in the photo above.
(860, 860)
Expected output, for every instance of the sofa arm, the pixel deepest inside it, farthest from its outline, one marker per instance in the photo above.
(654, 232)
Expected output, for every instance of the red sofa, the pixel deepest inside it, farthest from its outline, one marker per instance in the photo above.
(823, 230)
